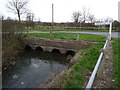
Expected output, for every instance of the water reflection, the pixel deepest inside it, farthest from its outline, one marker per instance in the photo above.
(32, 69)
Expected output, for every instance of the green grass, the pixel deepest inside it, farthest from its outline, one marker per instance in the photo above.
(76, 77)
(33, 29)
(71, 36)
(116, 49)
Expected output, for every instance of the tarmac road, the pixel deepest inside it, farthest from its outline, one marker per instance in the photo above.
(114, 34)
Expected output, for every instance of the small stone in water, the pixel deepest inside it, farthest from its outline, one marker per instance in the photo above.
(22, 82)
(15, 76)
(35, 65)
(13, 63)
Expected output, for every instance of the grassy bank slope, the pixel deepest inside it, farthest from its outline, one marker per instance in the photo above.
(76, 78)
(116, 49)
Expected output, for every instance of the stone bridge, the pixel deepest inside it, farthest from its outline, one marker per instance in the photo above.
(56, 45)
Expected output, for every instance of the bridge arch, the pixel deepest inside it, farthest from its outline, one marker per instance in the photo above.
(28, 48)
(70, 52)
(39, 49)
(56, 51)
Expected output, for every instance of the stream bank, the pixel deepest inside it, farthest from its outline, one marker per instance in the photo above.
(12, 46)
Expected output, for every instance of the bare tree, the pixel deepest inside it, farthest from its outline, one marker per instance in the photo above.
(17, 7)
(76, 16)
(30, 17)
(91, 18)
(85, 13)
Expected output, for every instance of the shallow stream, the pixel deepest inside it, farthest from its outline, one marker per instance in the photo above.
(32, 69)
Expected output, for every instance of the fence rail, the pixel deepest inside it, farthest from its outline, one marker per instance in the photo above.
(92, 77)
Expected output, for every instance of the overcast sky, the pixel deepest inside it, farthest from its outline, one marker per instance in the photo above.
(63, 9)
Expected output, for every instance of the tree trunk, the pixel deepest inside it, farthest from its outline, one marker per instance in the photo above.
(19, 15)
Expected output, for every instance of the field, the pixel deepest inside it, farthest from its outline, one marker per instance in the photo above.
(85, 37)
(33, 29)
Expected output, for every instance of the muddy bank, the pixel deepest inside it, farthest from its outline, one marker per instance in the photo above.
(12, 46)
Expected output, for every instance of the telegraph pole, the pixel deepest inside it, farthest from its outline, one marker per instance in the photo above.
(52, 20)
(52, 15)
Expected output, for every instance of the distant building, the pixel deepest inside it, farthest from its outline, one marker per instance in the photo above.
(119, 11)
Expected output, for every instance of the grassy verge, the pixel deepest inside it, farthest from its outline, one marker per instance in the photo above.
(33, 29)
(72, 36)
(116, 49)
(76, 77)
